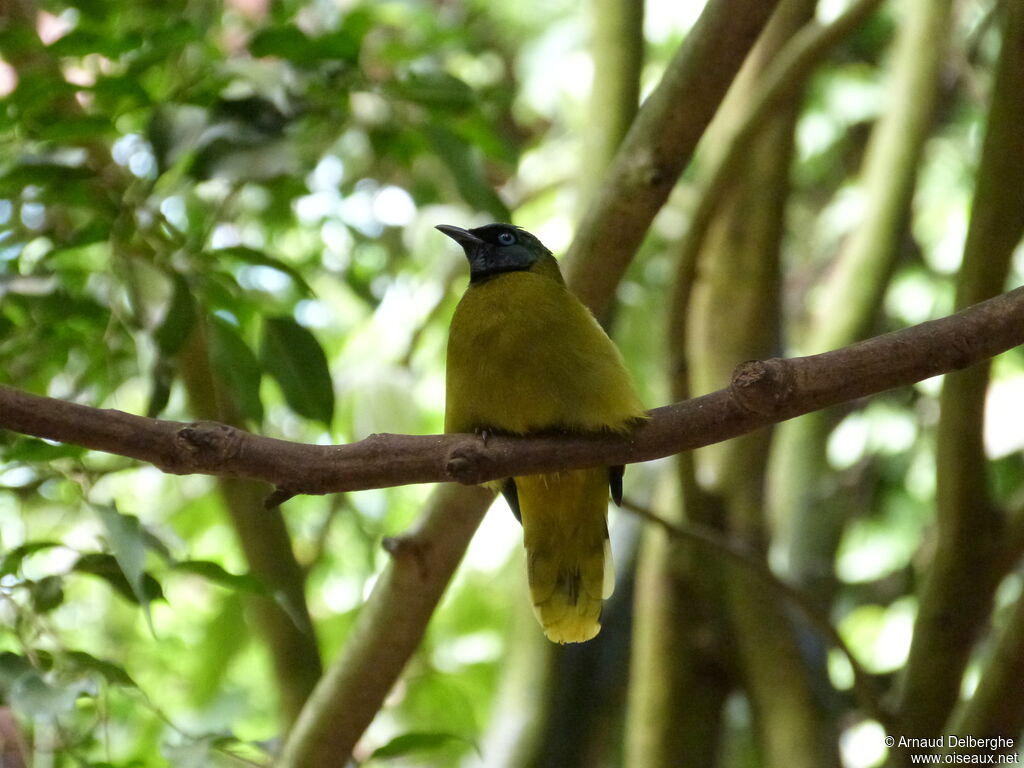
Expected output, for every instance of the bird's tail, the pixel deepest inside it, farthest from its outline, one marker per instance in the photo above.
(569, 565)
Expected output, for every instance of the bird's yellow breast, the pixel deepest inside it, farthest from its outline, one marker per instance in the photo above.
(525, 355)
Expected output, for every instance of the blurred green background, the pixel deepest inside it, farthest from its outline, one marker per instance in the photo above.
(225, 211)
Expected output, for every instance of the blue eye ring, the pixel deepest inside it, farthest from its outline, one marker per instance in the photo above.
(506, 238)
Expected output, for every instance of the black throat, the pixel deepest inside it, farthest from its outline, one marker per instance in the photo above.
(477, 276)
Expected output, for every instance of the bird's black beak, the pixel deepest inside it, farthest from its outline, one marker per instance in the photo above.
(463, 237)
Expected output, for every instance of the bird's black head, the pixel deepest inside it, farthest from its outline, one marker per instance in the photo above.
(496, 248)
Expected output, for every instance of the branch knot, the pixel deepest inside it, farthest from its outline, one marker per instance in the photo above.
(207, 445)
(646, 171)
(466, 462)
(409, 547)
(761, 386)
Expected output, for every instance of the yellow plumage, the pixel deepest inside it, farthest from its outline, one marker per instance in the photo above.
(568, 558)
(524, 355)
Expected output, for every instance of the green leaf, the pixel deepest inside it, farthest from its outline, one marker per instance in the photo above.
(156, 545)
(289, 42)
(13, 666)
(293, 356)
(39, 95)
(465, 166)
(179, 320)
(237, 367)
(18, 39)
(120, 93)
(160, 387)
(31, 449)
(414, 742)
(221, 644)
(259, 258)
(111, 672)
(129, 548)
(485, 135)
(286, 42)
(80, 42)
(12, 560)
(47, 593)
(105, 567)
(95, 231)
(41, 174)
(73, 129)
(434, 89)
(239, 582)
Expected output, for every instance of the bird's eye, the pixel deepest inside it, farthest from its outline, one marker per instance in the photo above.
(506, 238)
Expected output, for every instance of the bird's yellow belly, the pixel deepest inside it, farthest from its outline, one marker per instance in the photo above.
(524, 356)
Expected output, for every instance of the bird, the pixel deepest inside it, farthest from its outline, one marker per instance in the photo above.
(525, 356)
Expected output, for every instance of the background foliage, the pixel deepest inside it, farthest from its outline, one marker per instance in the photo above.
(224, 211)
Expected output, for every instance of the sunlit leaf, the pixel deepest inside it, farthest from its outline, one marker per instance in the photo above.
(156, 545)
(257, 257)
(11, 561)
(32, 449)
(221, 644)
(129, 548)
(106, 567)
(293, 356)
(96, 230)
(119, 94)
(77, 128)
(80, 42)
(111, 672)
(40, 94)
(435, 89)
(239, 582)
(409, 743)
(17, 178)
(289, 42)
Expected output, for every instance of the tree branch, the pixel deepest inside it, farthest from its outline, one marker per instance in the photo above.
(851, 295)
(761, 393)
(617, 49)
(970, 530)
(738, 553)
(782, 82)
(735, 316)
(659, 145)
(997, 706)
(283, 620)
(389, 628)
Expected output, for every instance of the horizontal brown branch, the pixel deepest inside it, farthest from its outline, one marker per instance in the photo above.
(761, 393)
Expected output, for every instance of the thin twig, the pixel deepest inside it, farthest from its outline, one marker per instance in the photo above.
(783, 81)
(863, 684)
